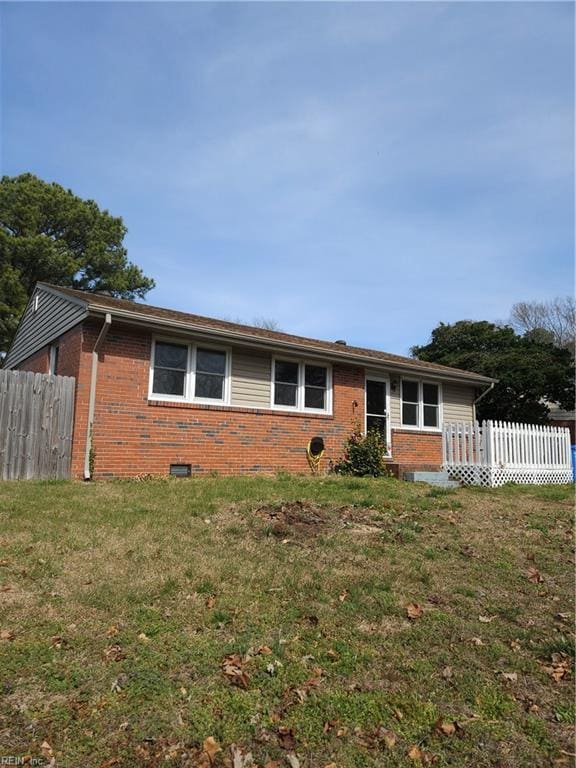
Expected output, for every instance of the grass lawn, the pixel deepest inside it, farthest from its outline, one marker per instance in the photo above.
(377, 623)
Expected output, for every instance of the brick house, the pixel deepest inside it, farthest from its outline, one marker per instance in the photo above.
(160, 391)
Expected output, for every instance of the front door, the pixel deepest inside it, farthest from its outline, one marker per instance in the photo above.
(377, 407)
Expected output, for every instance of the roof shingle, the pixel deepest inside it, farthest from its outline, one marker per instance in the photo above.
(99, 301)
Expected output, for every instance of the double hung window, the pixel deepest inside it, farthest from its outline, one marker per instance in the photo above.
(301, 386)
(189, 372)
(420, 404)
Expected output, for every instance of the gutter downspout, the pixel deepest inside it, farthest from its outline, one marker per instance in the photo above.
(490, 388)
(92, 397)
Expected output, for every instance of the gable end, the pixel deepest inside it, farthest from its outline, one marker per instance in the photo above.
(48, 315)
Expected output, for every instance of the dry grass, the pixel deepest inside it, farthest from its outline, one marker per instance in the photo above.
(120, 601)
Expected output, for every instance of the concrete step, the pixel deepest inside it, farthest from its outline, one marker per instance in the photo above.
(439, 479)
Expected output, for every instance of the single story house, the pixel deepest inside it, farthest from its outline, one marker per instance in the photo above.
(160, 391)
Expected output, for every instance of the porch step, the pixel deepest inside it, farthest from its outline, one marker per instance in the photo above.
(439, 479)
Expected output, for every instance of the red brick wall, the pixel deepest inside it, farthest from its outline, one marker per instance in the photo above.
(39, 362)
(413, 448)
(134, 436)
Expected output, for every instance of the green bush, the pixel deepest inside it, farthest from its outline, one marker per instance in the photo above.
(363, 455)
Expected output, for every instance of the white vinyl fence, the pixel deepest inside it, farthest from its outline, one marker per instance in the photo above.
(498, 452)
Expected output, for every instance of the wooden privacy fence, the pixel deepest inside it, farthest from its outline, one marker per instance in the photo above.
(36, 420)
(499, 452)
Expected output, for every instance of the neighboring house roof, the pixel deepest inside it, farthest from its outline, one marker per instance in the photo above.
(158, 317)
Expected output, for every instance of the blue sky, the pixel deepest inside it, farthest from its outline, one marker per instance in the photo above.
(358, 171)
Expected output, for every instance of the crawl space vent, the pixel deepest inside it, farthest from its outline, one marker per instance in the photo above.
(180, 470)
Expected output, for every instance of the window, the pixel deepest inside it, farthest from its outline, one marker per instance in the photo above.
(430, 405)
(286, 384)
(420, 404)
(301, 386)
(410, 403)
(210, 374)
(315, 387)
(53, 363)
(170, 369)
(376, 407)
(188, 372)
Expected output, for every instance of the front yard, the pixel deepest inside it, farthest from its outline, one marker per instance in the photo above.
(375, 623)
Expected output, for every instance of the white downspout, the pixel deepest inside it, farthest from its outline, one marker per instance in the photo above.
(92, 398)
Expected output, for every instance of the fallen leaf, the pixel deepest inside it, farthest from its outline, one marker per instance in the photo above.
(342, 596)
(476, 641)
(560, 667)
(211, 747)
(286, 738)
(332, 654)
(58, 641)
(210, 601)
(112, 630)
(264, 650)
(109, 763)
(143, 637)
(486, 619)
(445, 727)
(414, 753)
(414, 611)
(534, 575)
(388, 737)
(5, 588)
(245, 760)
(6, 634)
(46, 749)
(114, 653)
(515, 645)
(447, 673)
(398, 715)
(232, 667)
(562, 616)
(292, 760)
(48, 755)
(512, 677)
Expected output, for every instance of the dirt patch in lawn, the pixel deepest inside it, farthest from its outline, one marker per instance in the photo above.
(304, 519)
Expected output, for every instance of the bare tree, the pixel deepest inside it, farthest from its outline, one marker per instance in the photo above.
(557, 317)
(267, 323)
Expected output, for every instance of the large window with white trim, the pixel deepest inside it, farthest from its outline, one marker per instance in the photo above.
(189, 372)
(421, 403)
(301, 386)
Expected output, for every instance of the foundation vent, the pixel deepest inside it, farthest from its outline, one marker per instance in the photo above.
(180, 470)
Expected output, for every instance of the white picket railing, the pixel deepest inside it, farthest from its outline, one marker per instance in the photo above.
(497, 452)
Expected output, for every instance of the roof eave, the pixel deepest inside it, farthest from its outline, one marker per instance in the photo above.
(249, 340)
